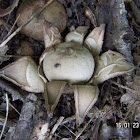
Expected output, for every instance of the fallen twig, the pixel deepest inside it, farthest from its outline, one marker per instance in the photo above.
(133, 93)
(12, 27)
(96, 129)
(70, 130)
(55, 127)
(86, 125)
(68, 120)
(24, 126)
(14, 108)
(124, 87)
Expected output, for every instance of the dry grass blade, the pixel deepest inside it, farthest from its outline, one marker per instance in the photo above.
(7, 111)
(23, 25)
(70, 130)
(96, 129)
(68, 120)
(86, 125)
(12, 27)
(124, 87)
(14, 108)
(56, 126)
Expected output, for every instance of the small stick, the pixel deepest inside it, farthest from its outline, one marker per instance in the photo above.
(7, 111)
(127, 88)
(86, 125)
(12, 27)
(23, 25)
(72, 118)
(130, 109)
(14, 108)
(124, 87)
(96, 129)
(69, 130)
(56, 126)
(3, 134)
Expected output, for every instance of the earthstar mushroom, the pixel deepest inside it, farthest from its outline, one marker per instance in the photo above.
(24, 73)
(72, 63)
(68, 63)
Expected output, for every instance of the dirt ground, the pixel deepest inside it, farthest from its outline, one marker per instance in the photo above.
(119, 98)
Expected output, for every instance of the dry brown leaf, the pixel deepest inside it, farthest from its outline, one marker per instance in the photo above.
(8, 10)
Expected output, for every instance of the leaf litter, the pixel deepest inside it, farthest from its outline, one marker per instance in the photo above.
(118, 102)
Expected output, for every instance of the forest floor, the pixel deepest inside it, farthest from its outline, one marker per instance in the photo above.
(116, 114)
